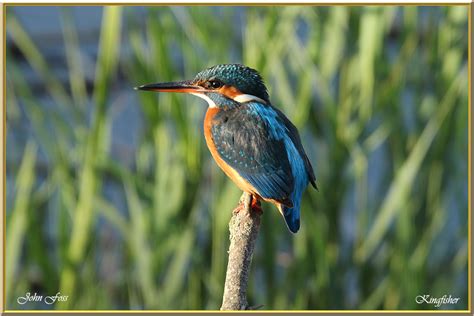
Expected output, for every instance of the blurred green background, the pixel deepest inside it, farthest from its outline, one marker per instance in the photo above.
(113, 198)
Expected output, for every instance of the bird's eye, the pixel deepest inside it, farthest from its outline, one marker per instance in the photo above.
(214, 84)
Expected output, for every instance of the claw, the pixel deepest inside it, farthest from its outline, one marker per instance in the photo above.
(255, 205)
(238, 208)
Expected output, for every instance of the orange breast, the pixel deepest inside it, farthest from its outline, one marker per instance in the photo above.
(229, 171)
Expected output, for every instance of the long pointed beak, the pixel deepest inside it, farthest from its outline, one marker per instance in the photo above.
(180, 86)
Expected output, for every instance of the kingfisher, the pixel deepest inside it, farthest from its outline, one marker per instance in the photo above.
(252, 141)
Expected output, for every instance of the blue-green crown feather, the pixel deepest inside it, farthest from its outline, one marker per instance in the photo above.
(246, 79)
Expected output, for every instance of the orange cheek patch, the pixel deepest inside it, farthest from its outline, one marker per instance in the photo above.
(229, 91)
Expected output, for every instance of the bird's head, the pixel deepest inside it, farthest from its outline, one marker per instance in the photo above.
(220, 85)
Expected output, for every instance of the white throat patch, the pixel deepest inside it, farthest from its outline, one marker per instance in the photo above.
(205, 97)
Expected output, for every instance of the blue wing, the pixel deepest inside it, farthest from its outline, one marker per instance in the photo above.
(251, 140)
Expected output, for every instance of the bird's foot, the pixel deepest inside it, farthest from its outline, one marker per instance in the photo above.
(256, 206)
(239, 208)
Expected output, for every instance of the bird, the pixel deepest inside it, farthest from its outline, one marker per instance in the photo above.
(252, 141)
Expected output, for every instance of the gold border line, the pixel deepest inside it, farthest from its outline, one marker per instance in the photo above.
(197, 311)
(469, 166)
(4, 158)
(350, 4)
(239, 4)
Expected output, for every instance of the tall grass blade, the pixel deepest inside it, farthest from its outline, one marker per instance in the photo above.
(17, 223)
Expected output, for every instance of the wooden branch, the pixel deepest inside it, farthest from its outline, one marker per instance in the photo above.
(243, 228)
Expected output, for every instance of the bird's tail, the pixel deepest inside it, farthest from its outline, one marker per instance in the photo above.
(292, 217)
